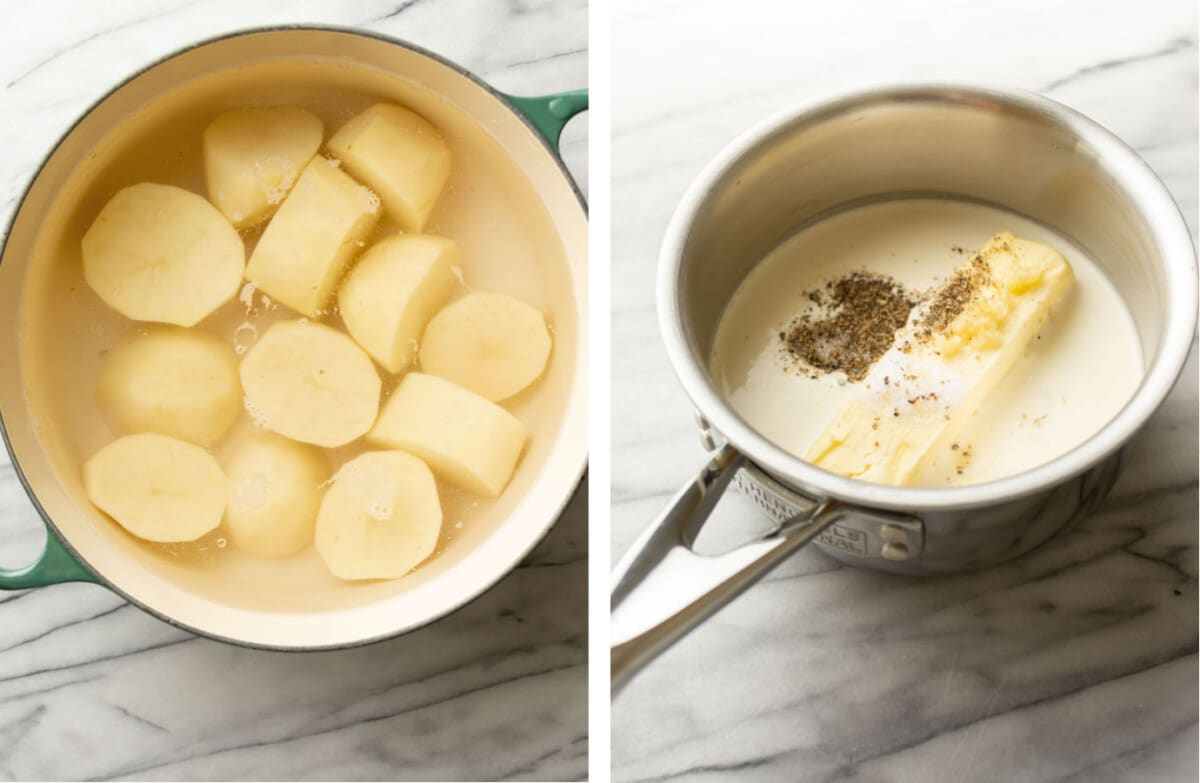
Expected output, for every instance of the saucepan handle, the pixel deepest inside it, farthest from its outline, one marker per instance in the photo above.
(56, 564)
(662, 588)
(550, 113)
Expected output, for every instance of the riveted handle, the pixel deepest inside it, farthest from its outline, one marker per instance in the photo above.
(56, 564)
(549, 114)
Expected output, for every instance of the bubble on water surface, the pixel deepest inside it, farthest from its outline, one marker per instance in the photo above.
(275, 177)
(379, 509)
(256, 413)
(246, 295)
(371, 201)
(244, 338)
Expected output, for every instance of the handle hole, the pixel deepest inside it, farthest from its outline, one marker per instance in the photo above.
(736, 521)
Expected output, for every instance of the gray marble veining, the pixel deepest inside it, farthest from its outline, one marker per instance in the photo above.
(1075, 663)
(93, 688)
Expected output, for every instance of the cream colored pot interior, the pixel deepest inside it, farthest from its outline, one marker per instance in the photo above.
(509, 206)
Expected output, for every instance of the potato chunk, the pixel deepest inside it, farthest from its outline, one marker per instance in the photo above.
(161, 253)
(252, 158)
(322, 224)
(310, 383)
(400, 155)
(156, 487)
(487, 342)
(380, 518)
(173, 381)
(393, 291)
(274, 493)
(467, 440)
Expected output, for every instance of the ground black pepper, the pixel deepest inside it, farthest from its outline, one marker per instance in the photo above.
(950, 299)
(855, 321)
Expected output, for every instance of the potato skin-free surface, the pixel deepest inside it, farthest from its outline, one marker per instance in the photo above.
(465, 439)
(380, 517)
(157, 487)
(311, 383)
(393, 290)
(400, 155)
(274, 493)
(252, 157)
(491, 343)
(173, 381)
(162, 253)
(323, 223)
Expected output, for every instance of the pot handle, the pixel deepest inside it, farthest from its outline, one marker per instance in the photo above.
(549, 114)
(662, 588)
(56, 564)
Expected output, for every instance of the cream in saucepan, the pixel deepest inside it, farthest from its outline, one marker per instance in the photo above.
(1080, 370)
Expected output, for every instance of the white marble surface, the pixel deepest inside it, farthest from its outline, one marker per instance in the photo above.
(1077, 663)
(93, 688)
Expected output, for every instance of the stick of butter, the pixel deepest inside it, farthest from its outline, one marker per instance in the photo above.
(952, 352)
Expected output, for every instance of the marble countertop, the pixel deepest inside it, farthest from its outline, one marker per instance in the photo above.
(1076, 663)
(92, 688)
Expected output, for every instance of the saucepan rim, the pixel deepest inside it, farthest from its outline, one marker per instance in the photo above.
(1141, 186)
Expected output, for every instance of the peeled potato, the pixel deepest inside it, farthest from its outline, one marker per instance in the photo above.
(156, 487)
(320, 226)
(161, 253)
(393, 290)
(400, 156)
(310, 383)
(380, 518)
(252, 158)
(173, 381)
(490, 343)
(470, 442)
(274, 493)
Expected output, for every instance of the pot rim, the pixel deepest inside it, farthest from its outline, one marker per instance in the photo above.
(578, 474)
(1132, 174)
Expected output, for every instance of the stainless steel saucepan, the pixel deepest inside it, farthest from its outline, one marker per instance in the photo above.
(1016, 150)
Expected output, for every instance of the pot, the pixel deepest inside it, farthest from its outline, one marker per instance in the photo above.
(1015, 150)
(509, 146)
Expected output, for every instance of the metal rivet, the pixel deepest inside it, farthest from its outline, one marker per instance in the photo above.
(895, 552)
(893, 534)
